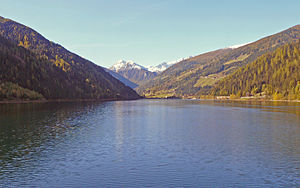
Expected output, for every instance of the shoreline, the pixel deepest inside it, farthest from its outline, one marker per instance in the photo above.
(257, 100)
(228, 99)
(60, 100)
(153, 98)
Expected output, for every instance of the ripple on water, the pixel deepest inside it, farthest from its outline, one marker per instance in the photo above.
(158, 143)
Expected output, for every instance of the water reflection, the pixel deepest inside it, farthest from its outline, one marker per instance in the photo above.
(150, 143)
(29, 131)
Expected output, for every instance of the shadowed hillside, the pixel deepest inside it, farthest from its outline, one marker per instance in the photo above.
(33, 62)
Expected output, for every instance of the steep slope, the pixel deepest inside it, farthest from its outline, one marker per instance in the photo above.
(274, 74)
(132, 71)
(122, 79)
(82, 78)
(198, 74)
(180, 78)
(21, 69)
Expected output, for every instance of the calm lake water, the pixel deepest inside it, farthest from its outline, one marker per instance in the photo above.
(150, 143)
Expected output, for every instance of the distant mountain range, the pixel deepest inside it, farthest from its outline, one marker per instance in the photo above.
(197, 75)
(33, 67)
(138, 74)
(122, 79)
(132, 71)
(163, 66)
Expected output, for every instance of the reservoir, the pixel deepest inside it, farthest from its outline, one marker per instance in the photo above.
(150, 143)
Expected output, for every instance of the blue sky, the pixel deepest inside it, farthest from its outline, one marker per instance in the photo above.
(151, 31)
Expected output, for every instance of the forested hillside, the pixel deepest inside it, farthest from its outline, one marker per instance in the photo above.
(33, 62)
(179, 79)
(197, 75)
(275, 74)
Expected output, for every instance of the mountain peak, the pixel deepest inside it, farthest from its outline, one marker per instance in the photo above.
(124, 65)
(3, 20)
(132, 71)
(164, 65)
(237, 45)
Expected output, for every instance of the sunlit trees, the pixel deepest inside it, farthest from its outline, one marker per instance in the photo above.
(275, 74)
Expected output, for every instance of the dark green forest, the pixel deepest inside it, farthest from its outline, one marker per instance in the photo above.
(275, 75)
(32, 62)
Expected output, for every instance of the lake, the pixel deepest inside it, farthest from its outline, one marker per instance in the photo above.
(150, 143)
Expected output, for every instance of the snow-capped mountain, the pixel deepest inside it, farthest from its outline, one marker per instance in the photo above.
(137, 73)
(163, 66)
(238, 45)
(132, 71)
(126, 65)
(159, 68)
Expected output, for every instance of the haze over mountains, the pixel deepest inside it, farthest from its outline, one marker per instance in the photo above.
(121, 78)
(30, 61)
